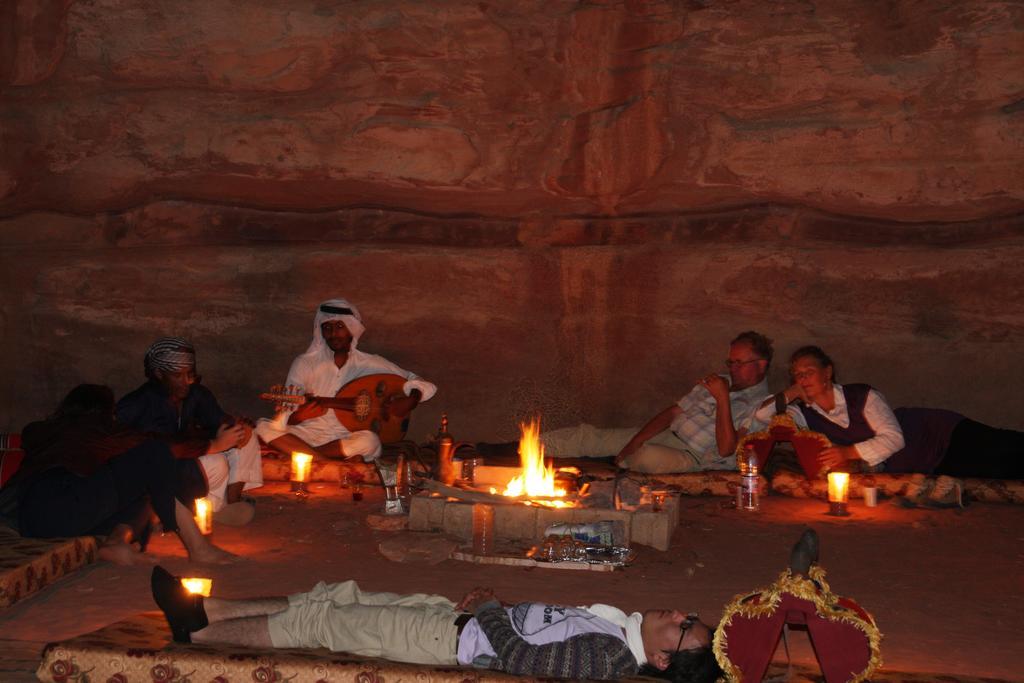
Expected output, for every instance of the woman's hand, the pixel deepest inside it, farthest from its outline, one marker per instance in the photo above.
(794, 392)
(834, 456)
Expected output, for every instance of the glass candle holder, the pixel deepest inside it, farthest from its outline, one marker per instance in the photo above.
(302, 463)
(838, 493)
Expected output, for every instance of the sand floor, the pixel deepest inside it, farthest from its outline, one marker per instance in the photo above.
(946, 586)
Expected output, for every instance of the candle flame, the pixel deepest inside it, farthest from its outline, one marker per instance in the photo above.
(838, 486)
(204, 515)
(301, 465)
(198, 586)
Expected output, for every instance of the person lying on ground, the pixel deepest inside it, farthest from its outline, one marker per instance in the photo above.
(595, 642)
(698, 432)
(867, 435)
(84, 474)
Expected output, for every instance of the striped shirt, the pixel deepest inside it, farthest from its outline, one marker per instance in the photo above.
(695, 426)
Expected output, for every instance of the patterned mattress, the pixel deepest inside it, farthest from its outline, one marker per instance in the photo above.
(27, 565)
(138, 651)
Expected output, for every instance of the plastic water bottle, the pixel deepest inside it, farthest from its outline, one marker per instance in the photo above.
(750, 498)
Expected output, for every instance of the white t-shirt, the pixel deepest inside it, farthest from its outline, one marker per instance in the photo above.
(538, 624)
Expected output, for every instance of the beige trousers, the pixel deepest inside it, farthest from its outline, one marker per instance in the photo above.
(661, 454)
(418, 628)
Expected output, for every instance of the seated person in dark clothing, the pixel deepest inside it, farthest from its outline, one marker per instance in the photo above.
(83, 474)
(211, 445)
(868, 435)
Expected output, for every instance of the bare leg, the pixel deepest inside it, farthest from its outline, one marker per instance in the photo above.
(223, 609)
(248, 631)
(118, 548)
(289, 443)
(198, 547)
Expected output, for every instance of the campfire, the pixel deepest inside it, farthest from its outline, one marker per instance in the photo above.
(536, 481)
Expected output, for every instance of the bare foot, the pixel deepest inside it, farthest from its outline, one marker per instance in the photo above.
(124, 554)
(211, 554)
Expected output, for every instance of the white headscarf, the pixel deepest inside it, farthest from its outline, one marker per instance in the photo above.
(353, 322)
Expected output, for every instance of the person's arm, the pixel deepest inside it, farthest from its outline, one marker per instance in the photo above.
(888, 436)
(767, 409)
(655, 426)
(725, 430)
(887, 440)
(584, 656)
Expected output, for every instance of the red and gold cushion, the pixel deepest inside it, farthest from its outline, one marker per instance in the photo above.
(845, 637)
(27, 565)
(806, 443)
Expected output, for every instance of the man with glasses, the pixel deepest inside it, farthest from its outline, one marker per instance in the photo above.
(530, 638)
(699, 432)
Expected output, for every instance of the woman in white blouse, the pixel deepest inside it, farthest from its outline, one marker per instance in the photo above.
(868, 435)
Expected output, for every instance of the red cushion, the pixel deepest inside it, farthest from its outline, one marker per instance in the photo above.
(10, 461)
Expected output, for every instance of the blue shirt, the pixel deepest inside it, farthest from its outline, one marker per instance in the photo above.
(149, 409)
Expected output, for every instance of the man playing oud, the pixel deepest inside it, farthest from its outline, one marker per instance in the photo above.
(331, 362)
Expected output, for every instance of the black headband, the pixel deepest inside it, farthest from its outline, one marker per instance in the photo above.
(324, 308)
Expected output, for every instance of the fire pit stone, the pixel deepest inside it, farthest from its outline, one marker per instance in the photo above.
(528, 522)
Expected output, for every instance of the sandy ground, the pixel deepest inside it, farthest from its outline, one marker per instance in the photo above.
(946, 586)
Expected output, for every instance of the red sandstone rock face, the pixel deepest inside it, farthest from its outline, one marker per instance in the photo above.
(559, 207)
(907, 110)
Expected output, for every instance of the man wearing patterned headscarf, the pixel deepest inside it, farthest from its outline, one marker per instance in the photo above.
(332, 361)
(213, 447)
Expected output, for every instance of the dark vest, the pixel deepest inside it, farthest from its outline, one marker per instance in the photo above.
(859, 430)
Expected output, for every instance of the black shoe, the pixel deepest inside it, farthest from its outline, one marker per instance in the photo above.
(804, 553)
(183, 610)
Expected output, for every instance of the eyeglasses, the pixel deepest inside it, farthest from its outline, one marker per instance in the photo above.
(690, 620)
(737, 363)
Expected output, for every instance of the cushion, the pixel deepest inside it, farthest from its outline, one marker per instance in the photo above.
(707, 483)
(845, 637)
(138, 649)
(806, 443)
(27, 565)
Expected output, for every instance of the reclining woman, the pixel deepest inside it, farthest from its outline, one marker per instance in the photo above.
(869, 436)
(83, 474)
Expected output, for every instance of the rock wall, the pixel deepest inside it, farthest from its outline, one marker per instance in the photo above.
(560, 207)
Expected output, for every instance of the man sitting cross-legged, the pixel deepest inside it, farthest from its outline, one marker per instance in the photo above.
(331, 362)
(595, 642)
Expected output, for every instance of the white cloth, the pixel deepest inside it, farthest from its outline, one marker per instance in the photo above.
(630, 623)
(888, 436)
(234, 465)
(538, 624)
(314, 372)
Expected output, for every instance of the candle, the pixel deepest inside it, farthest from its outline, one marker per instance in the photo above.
(838, 486)
(301, 465)
(838, 491)
(197, 586)
(204, 516)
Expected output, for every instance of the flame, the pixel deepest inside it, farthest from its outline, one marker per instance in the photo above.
(536, 480)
